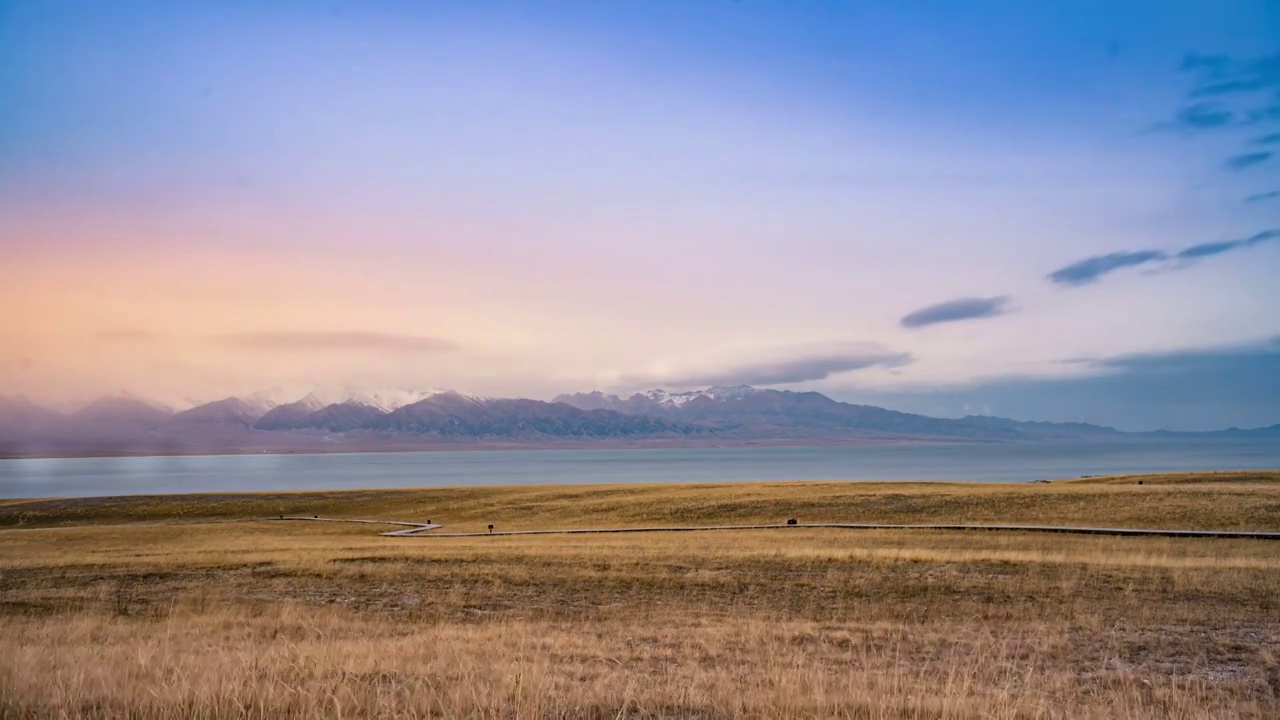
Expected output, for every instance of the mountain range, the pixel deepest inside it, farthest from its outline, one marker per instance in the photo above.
(444, 418)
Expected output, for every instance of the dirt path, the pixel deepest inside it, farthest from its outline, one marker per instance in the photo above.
(410, 528)
(421, 528)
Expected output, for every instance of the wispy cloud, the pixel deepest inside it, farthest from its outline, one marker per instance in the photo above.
(1209, 388)
(1248, 160)
(1206, 249)
(1213, 65)
(1090, 269)
(1232, 92)
(798, 366)
(1269, 347)
(1204, 116)
(357, 340)
(1268, 113)
(1217, 248)
(1227, 92)
(956, 310)
(1226, 76)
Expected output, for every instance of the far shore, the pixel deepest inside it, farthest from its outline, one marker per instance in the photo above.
(483, 445)
(353, 447)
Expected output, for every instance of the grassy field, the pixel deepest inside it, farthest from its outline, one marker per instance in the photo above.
(187, 606)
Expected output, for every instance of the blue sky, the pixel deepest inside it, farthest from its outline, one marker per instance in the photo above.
(914, 203)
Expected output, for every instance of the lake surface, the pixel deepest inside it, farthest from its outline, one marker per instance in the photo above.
(82, 477)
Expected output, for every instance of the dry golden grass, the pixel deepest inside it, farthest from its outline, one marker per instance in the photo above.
(1228, 501)
(106, 612)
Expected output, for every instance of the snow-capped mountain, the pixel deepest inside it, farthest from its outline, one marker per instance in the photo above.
(717, 392)
(228, 412)
(290, 416)
(339, 409)
(654, 400)
(455, 415)
(263, 400)
(387, 399)
(340, 417)
(384, 399)
(742, 411)
(387, 419)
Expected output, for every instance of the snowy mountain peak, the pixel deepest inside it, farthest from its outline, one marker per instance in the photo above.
(384, 399)
(717, 392)
(313, 401)
(726, 391)
(388, 400)
(264, 400)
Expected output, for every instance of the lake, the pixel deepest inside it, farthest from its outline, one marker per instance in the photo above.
(1014, 462)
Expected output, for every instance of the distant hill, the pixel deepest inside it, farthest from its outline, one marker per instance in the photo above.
(744, 411)
(309, 414)
(119, 412)
(451, 414)
(231, 412)
(406, 420)
(342, 417)
(1271, 431)
(111, 419)
(290, 416)
(22, 422)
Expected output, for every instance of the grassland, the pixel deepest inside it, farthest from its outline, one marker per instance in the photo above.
(187, 606)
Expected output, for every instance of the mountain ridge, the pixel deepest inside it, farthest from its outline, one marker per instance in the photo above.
(785, 409)
(442, 418)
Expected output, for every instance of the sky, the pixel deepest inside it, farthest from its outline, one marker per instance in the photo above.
(1050, 210)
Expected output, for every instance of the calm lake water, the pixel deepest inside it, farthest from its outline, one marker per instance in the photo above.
(81, 477)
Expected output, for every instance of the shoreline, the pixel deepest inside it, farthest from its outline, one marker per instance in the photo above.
(861, 485)
(499, 446)
(377, 448)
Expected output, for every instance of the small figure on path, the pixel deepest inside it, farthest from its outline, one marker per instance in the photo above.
(490, 528)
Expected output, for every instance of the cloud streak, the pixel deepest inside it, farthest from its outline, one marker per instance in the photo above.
(1224, 76)
(1230, 92)
(799, 367)
(1248, 160)
(1188, 389)
(343, 340)
(1225, 79)
(1208, 249)
(971, 308)
(1090, 269)
(1262, 197)
(1204, 116)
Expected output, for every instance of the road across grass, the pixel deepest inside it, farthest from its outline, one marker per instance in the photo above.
(410, 527)
(420, 529)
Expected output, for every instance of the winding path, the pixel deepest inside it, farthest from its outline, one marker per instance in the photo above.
(410, 527)
(422, 528)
